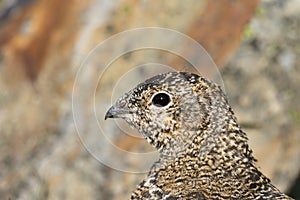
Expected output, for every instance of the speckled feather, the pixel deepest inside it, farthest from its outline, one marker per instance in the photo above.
(204, 154)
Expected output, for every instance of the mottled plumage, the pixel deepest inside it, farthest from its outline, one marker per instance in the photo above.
(204, 154)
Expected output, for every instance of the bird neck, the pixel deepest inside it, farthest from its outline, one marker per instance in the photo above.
(211, 161)
(224, 148)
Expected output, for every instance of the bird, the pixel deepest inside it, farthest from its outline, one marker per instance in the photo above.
(203, 152)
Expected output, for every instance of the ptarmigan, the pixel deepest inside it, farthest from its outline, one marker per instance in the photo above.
(204, 154)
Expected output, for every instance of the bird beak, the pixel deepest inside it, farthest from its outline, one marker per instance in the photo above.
(115, 112)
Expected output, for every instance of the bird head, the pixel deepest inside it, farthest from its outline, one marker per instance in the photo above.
(173, 109)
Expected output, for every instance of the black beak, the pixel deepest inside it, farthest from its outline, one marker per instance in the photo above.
(115, 112)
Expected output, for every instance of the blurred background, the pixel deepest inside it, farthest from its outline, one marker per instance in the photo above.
(255, 44)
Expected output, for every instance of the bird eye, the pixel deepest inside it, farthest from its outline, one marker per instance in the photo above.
(161, 99)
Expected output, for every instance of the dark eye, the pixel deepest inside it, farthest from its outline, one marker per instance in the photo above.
(161, 99)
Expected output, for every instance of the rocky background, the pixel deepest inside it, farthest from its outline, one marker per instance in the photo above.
(43, 43)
